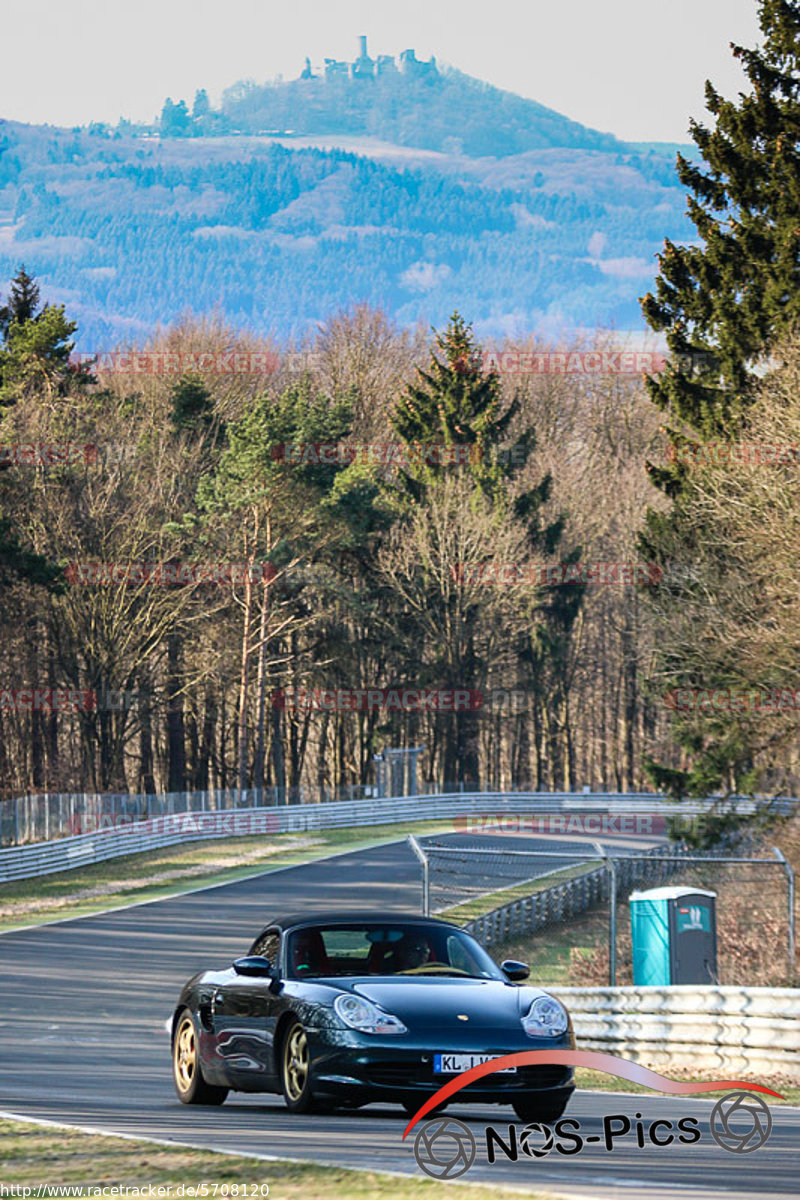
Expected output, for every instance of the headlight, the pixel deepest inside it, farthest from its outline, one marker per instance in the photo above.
(365, 1016)
(545, 1018)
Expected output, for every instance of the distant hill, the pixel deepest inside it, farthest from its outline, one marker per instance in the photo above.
(418, 194)
(446, 111)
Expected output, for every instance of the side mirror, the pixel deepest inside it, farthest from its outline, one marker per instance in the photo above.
(514, 970)
(255, 965)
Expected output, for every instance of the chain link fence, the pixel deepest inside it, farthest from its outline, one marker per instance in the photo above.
(463, 871)
(42, 818)
(755, 923)
(565, 910)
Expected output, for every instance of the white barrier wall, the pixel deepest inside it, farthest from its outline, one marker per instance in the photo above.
(732, 1030)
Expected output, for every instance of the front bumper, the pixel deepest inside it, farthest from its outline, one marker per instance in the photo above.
(381, 1069)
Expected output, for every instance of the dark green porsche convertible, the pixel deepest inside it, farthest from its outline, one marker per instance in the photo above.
(346, 1009)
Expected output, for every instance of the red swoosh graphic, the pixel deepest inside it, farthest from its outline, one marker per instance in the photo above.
(609, 1064)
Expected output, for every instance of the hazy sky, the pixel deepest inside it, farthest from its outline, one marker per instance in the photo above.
(631, 67)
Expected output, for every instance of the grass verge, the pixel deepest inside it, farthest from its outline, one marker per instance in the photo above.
(488, 901)
(32, 1155)
(596, 1081)
(552, 952)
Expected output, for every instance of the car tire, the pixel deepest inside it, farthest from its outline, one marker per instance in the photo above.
(295, 1063)
(190, 1084)
(539, 1109)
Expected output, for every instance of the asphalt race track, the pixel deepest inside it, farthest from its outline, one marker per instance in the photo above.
(82, 1041)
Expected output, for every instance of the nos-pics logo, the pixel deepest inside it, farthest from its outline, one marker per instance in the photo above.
(445, 1148)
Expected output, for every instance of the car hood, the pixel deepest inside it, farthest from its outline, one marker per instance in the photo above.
(432, 1001)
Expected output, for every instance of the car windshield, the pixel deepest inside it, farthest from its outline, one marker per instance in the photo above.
(320, 951)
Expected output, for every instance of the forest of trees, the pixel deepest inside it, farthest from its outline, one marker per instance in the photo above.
(275, 238)
(359, 570)
(186, 579)
(364, 588)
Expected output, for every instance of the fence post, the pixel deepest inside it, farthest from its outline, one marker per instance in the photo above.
(612, 924)
(426, 878)
(790, 937)
(611, 872)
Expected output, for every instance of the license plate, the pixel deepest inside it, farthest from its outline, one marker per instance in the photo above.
(454, 1064)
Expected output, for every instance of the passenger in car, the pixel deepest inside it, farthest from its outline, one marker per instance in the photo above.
(308, 955)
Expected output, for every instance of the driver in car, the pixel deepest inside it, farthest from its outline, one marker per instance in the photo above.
(413, 952)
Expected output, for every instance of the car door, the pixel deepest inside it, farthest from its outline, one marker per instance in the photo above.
(244, 1014)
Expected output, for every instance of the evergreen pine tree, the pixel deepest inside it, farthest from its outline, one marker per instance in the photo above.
(28, 332)
(723, 303)
(23, 302)
(458, 403)
(35, 357)
(17, 562)
(192, 405)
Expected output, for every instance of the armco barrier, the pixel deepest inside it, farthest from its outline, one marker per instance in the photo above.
(733, 1030)
(43, 818)
(43, 858)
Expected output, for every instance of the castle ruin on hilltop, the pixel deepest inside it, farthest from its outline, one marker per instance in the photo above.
(364, 67)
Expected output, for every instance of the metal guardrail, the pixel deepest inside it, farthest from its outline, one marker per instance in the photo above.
(731, 1029)
(46, 816)
(134, 836)
(43, 818)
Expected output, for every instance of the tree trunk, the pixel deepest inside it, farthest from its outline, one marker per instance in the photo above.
(244, 672)
(51, 732)
(278, 757)
(147, 780)
(193, 738)
(322, 753)
(631, 701)
(176, 746)
(206, 740)
(261, 687)
(223, 762)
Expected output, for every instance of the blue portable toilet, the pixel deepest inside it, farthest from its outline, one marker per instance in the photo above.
(674, 936)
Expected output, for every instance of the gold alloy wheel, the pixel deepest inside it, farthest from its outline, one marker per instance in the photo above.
(185, 1055)
(295, 1063)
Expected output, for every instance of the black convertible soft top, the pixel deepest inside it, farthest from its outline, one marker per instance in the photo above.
(352, 917)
